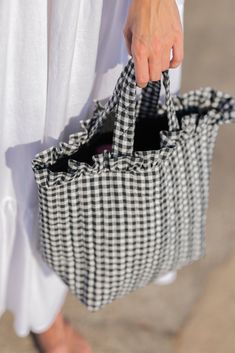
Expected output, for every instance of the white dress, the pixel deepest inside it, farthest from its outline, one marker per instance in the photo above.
(56, 57)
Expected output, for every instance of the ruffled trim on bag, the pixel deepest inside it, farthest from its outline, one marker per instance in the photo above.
(204, 107)
(218, 106)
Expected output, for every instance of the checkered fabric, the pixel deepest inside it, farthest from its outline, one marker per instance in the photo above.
(117, 222)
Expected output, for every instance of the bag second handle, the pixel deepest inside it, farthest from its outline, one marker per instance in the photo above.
(123, 103)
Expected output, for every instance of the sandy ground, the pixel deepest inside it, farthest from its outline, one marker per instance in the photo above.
(196, 313)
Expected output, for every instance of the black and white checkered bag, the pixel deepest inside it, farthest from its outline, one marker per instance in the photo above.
(115, 221)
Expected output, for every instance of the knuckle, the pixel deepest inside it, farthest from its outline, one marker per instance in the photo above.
(181, 57)
(157, 46)
(140, 79)
(156, 49)
(178, 60)
(138, 53)
(138, 49)
(175, 63)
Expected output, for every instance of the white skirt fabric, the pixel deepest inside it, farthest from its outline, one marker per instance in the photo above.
(56, 57)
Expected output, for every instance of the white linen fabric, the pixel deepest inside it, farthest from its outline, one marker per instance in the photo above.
(56, 57)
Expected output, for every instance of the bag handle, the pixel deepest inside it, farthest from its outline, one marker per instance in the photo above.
(124, 128)
(123, 104)
(149, 98)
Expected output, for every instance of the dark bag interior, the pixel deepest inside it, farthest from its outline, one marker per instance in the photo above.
(147, 137)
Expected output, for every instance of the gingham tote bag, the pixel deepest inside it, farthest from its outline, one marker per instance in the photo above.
(114, 221)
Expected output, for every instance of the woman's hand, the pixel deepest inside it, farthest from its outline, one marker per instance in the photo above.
(152, 29)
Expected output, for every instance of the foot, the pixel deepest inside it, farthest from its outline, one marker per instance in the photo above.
(52, 340)
(76, 342)
(61, 338)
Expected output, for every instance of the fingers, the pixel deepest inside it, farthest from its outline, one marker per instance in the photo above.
(151, 68)
(140, 58)
(165, 59)
(178, 53)
(152, 30)
(154, 61)
(154, 68)
(149, 64)
(141, 71)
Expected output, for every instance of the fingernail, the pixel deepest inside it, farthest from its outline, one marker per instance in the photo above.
(142, 84)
